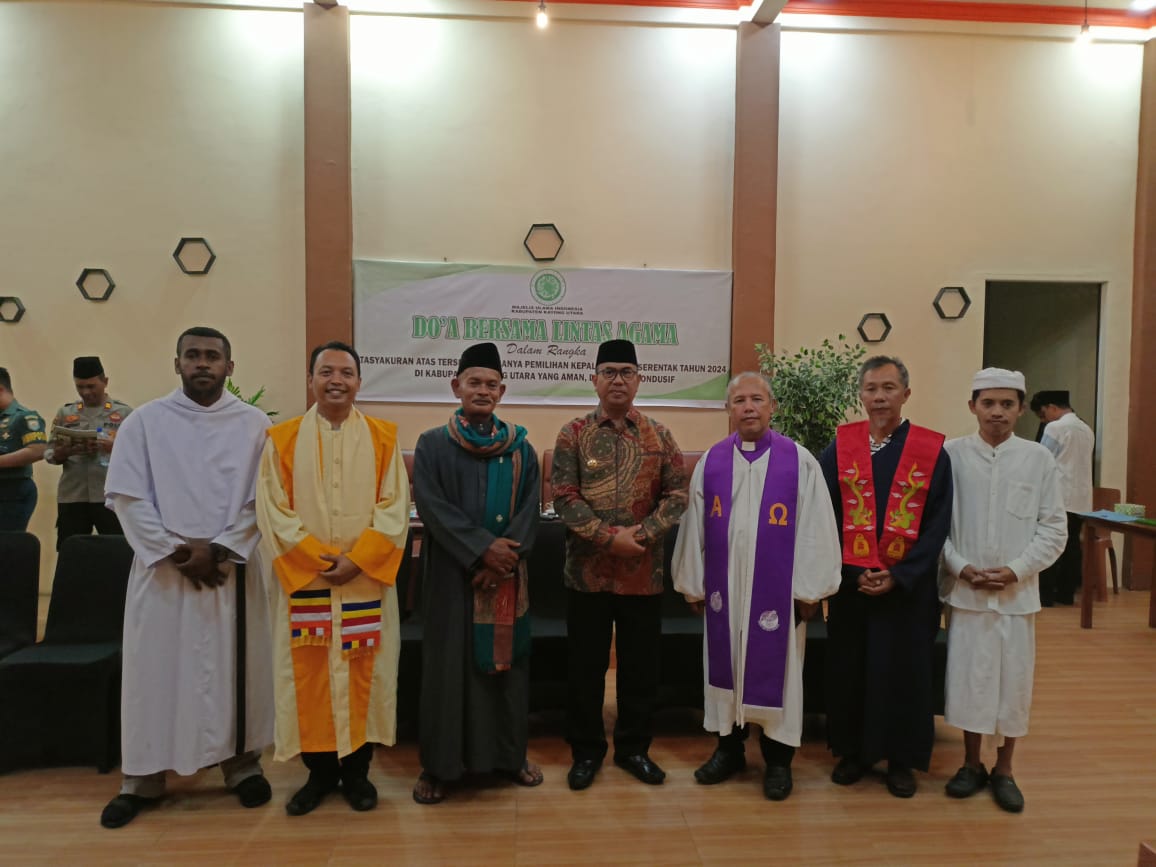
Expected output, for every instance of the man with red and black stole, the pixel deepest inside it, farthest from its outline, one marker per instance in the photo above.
(890, 484)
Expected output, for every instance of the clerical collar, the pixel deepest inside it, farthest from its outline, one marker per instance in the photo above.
(748, 447)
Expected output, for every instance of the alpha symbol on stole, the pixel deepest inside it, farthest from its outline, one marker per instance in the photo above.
(716, 507)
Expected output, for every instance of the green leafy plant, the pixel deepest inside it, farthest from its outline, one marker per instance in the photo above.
(815, 388)
(253, 400)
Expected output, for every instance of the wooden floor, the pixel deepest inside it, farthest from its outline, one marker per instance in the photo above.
(1088, 772)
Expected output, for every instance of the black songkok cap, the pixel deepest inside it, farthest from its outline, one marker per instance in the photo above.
(86, 367)
(481, 355)
(1053, 398)
(616, 352)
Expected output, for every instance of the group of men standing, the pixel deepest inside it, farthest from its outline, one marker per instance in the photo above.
(758, 541)
(262, 605)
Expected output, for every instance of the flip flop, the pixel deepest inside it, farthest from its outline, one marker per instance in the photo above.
(437, 789)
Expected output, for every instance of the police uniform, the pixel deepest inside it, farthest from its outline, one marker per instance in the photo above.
(20, 427)
(80, 497)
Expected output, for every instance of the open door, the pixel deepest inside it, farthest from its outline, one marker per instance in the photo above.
(1050, 331)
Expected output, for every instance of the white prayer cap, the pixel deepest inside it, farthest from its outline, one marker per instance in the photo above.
(997, 377)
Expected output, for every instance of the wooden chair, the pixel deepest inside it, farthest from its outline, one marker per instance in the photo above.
(1104, 498)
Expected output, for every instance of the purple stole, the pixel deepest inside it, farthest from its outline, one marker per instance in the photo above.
(772, 602)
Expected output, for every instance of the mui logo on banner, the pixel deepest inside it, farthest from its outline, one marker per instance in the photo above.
(547, 287)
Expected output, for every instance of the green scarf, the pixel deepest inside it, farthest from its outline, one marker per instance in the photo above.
(501, 615)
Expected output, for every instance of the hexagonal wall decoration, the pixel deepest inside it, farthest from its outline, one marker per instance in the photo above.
(543, 242)
(11, 309)
(874, 327)
(951, 302)
(194, 255)
(95, 284)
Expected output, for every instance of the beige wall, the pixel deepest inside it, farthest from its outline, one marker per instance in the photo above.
(467, 132)
(122, 129)
(914, 161)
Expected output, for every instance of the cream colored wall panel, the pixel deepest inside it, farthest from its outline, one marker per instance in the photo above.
(914, 161)
(124, 128)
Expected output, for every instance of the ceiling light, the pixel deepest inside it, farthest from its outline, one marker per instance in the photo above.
(544, 19)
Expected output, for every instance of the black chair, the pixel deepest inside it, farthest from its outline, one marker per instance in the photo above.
(409, 659)
(19, 590)
(549, 662)
(60, 698)
(681, 676)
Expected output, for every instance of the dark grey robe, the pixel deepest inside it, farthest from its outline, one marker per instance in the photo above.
(469, 721)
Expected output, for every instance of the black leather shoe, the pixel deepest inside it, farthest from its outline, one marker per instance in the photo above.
(642, 767)
(309, 797)
(848, 772)
(900, 781)
(360, 793)
(1006, 793)
(123, 809)
(253, 791)
(719, 767)
(582, 773)
(777, 783)
(966, 782)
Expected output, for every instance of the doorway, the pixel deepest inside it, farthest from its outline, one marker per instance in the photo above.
(1050, 331)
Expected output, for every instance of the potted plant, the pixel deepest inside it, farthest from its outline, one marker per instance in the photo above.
(253, 400)
(815, 389)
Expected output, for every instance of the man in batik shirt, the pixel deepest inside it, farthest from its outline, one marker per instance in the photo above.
(619, 486)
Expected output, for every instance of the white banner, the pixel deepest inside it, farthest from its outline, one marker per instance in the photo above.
(412, 320)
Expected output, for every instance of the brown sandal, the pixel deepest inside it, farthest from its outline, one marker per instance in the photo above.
(528, 775)
(437, 791)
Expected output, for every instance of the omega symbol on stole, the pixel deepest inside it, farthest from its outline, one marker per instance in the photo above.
(778, 515)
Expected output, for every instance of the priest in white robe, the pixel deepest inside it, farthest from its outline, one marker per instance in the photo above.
(1007, 525)
(776, 544)
(182, 481)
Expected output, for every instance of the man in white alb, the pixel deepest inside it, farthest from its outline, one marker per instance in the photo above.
(1007, 524)
(1072, 443)
(758, 535)
(182, 482)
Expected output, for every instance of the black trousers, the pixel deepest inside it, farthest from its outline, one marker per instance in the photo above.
(636, 621)
(17, 503)
(1059, 581)
(331, 769)
(775, 753)
(80, 519)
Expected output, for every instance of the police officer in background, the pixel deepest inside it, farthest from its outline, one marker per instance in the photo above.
(22, 443)
(80, 497)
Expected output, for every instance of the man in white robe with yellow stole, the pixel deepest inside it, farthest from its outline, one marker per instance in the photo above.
(333, 506)
(181, 481)
(758, 535)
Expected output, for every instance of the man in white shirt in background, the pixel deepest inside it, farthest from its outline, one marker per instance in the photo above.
(1007, 524)
(1072, 443)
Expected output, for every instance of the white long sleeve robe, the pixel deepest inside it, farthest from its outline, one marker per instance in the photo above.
(184, 472)
(818, 560)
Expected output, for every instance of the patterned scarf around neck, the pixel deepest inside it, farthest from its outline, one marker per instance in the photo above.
(501, 620)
